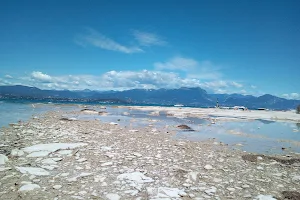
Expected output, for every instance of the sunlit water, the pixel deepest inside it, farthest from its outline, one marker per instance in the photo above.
(259, 136)
(250, 135)
(14, 112)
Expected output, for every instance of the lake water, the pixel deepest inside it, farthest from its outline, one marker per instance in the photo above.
(250, 135)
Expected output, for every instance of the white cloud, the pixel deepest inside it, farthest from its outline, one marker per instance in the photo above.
(204, 70)
(235, 84)
(8, 76)
(243, 92)
(253, 86)
(148, 39)
(98, 40)
(177, 63)
(293, 95)
(215, 84)
(41, 77)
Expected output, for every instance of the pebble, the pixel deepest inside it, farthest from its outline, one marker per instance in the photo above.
(208, 167)
(112, 196)
(57, 187)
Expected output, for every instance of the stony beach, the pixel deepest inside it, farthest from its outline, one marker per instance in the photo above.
(55, 157)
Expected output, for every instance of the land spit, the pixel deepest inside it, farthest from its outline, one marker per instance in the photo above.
(55, 157)
(222, 114)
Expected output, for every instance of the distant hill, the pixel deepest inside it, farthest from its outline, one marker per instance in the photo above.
(186, 96)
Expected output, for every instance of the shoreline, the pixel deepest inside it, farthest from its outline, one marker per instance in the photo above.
(222, 113)
(123, 163)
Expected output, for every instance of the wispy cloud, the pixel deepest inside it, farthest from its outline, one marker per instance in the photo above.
(148, 39)
(236, 84)
(8, 76)
(177, 63)
(293, 95)
(99, 40)
(204, 70)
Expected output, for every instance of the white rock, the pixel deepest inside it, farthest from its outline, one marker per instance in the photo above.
(135, 179)
(164, 192)
(38, 154)
(17, 153)
(49, 167)
(230, 189)
(64, 174)
(83, 174)
(208, 167)
(104, 148)
(111, 196)
(131, 192)
(51, 161)
(260, 168)
(65, 152)
(57, 187)
(193, 176)
(25, 182)
(52, 147)
(82, 160)
(107, 164)
(211, 191)
(296, 178)
(2, 169)
(264, 197)
(33, 170)
(3, 159)
(137, 154)
(113, 123)
(29, 187)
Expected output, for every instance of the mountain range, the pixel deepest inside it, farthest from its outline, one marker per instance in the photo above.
(197, 97)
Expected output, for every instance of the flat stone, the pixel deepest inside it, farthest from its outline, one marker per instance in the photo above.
(3, 159)
(82, 160)
(107, 164)
(38, 154)
(208, 167)
(51, 161)
(29, 187)
(165, 192)
(260, 168)
(211, 191)
(230, 189)
(52, 147)
(57, 187)
(193, 176)
(17, 153)
(2, 169)
(65, 152)
(264, 197)
(112, 196)
(296, 178)
(135, 179)
(33, 171)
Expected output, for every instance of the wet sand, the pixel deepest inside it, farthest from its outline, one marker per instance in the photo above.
(91, 159)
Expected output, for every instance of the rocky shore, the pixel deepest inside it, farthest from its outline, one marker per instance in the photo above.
(54, 157)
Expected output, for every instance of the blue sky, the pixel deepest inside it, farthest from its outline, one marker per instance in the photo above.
(248, 47)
